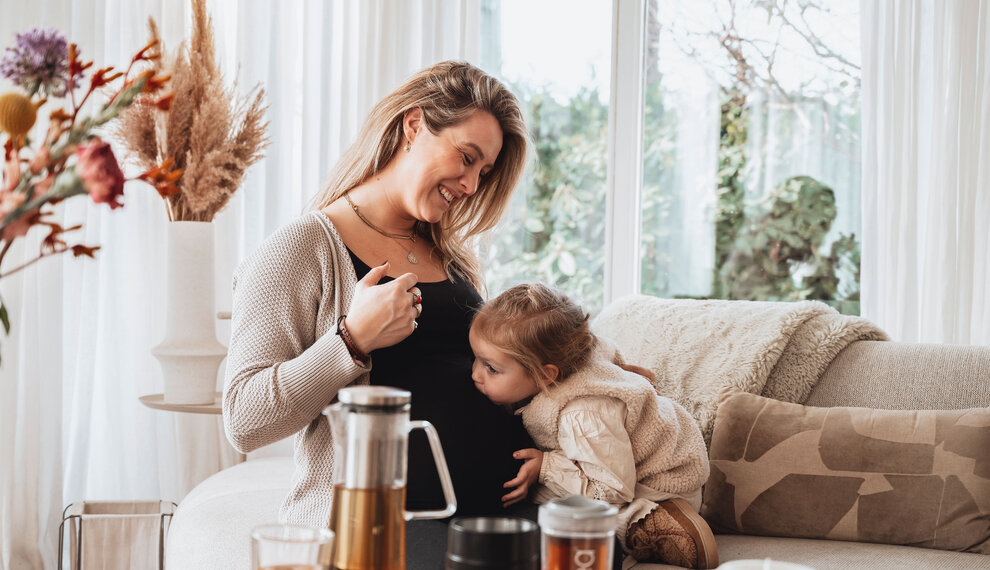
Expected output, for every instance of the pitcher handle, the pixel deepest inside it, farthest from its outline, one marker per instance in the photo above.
(445, 482)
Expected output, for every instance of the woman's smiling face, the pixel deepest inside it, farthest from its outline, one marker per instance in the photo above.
(448, 166)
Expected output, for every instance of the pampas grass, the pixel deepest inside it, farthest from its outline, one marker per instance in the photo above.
(208, 133)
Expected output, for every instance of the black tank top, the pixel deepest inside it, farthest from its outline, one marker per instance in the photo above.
(434, 364)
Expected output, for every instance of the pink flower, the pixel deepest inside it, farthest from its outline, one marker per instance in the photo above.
(100, 172)
(44, 185)
(41, 160)
(11, 174)
(10, 201)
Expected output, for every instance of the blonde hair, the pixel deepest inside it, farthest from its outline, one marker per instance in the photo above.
(537, 325)
(447, 93)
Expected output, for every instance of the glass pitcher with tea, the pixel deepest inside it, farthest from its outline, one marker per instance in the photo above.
(371, 428)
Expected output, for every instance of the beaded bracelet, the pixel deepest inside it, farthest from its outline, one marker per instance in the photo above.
(345, 335)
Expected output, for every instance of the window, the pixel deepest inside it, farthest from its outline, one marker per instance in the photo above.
(554, 230)
(751, 165)
(734, 146)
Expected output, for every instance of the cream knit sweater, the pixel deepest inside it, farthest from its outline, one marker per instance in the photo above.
(286, 362)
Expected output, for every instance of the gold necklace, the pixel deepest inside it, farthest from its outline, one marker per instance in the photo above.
(411, 237)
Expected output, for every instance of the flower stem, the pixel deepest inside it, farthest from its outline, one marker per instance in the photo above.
(3, 253)
(32, 262)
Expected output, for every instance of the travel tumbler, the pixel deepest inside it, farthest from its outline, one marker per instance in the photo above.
(578, 534)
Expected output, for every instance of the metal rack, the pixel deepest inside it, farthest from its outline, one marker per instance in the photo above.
(78, 514)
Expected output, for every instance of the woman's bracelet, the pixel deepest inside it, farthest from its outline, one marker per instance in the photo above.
(345, 335)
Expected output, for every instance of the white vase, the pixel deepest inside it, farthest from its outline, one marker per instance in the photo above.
(190, 354)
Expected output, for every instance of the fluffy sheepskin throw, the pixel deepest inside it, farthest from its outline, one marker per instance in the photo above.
(696, 348)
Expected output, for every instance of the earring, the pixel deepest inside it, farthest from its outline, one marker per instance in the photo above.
(408, 146)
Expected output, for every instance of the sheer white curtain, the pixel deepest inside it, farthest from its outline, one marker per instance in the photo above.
(78, 357)
(926, 169)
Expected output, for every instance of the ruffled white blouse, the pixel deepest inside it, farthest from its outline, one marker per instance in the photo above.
(595, 459)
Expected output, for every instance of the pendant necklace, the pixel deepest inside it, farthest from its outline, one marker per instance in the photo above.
(410, 256)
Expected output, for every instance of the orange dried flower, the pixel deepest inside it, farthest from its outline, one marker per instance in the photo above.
(81, 250)
(164, 178)
(102, 77)
(76, 66)
(155, 82)
(164, 103)
(148, 52)
(59, 115)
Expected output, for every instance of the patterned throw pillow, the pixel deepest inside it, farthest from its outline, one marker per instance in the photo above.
(919, 478)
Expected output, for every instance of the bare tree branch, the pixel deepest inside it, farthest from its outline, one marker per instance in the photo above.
(810, 37)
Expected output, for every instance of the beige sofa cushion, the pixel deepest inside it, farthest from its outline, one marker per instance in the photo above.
(837, 555)
(919, 478)
(905, 376)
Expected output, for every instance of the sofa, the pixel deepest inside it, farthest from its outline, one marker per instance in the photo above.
(211, 526)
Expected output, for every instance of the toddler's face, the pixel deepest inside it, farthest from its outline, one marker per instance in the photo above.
(499, 376)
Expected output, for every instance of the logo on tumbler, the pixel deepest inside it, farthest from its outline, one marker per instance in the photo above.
(584, 558)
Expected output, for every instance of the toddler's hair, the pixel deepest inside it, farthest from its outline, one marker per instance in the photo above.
(536, 325)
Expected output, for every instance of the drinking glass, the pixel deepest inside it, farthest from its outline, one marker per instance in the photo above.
(291, 547)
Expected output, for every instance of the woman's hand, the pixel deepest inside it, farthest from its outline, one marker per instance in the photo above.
(382, 315)
(529, 474)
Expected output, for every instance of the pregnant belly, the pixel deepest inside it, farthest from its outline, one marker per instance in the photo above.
(478, 440)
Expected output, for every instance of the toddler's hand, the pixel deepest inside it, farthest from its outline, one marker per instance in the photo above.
(644, 372)
(529, 474)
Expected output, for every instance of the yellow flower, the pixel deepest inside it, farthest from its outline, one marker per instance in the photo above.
(17, 114)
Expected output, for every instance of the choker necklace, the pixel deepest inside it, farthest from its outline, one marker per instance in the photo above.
(411, 237)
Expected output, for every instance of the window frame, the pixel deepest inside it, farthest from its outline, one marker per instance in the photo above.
(624, 183)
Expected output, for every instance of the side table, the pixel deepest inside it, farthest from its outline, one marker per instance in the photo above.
(157, 402)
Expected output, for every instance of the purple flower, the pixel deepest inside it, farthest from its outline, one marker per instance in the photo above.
(38, 62)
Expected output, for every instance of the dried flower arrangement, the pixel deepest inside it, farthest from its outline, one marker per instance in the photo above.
(70, 159)
(208, 134)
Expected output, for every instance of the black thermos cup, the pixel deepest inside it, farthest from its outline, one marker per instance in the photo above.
(502, 543)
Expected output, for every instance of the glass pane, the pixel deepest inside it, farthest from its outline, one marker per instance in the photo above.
(751, 150)
(554, 230)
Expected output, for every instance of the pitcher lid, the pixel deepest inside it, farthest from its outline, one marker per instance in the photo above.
(373, 396)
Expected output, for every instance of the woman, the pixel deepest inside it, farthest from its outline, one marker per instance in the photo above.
(378, 284)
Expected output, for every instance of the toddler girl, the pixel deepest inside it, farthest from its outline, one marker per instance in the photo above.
(602, 429)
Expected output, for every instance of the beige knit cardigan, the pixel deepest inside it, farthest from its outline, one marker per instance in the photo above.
(285, 362)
